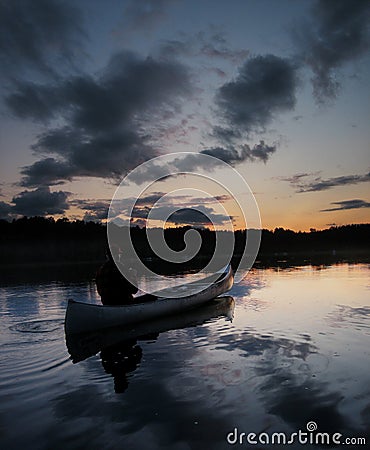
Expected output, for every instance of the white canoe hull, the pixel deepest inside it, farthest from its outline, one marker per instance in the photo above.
(83, 345)
(83, 317)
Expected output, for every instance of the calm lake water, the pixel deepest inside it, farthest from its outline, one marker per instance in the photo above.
(296, 351)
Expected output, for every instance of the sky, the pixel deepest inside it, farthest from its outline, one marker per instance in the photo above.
(278, 90)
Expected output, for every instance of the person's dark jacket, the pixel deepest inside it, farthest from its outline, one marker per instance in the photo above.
(112, 286)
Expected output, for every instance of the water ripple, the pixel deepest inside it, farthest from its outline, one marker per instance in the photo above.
(38, 326)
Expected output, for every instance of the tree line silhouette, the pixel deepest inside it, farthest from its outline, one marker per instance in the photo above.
(39, 239)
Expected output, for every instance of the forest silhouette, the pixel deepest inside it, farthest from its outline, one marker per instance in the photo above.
(39, 239)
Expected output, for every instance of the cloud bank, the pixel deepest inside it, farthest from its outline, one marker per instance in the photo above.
(265, 86)
(104, 119)
(348, 204)
(260, 152)
(308, 182)
(337, 33)
(38, 37)
(95, 210)
(40, 202)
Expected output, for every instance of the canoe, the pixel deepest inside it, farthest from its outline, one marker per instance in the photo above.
(82, 317)
(84, 345)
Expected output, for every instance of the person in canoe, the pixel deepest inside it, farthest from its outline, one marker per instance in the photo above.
(113, 288)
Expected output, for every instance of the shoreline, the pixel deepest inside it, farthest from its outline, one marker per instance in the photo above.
(274, 257)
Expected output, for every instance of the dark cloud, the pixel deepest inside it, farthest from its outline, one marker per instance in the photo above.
(302, 182)
(40, 202)
(260, 152)
(228, 155)
(348, 204)
(192, 162)
(150, 199)
(138, 223)
(264, 87)
(159, 171)
(205, 200)
(226, 135)
(103, 119)
(140, 212)
(189, 216)
(46, 172)
(337, 34)
(151, 171)
(95, 154)
(129, 85)
(298, 178)
(34, 101)
(196, 215)
(38, 36)
(95, 210)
